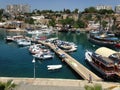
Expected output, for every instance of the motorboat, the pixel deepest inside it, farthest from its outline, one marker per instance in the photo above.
(105, 61)
(34, 32)
(38, 48)
(9, 39)
(23, 42)
(13, 38)
(35, 48)
(65, 47)
(54, 67)
(73, 48)
(44, 55)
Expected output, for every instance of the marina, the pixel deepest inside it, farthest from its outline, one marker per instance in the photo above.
(81, 70)
(21, 59)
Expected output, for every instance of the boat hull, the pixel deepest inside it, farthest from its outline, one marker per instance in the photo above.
(43, 57)
(90, 61)
(54, 67)
(117, 45)
(101, 43)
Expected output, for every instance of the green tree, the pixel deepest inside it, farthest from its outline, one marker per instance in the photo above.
(1, 13)
(81, 24)
(52, 22)
(66, 21)
(29, 20)
(20, 18)
(2, 86)
(104, 24)
(76, 11)
(75, 25)
(90, 10)
(94, 87)
(9, 85)
(105, 11)
(67, 11)
(88, 17)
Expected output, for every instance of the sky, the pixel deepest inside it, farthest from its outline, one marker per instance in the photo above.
(60, 4)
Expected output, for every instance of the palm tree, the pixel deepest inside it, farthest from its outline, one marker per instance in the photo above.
(9, 85)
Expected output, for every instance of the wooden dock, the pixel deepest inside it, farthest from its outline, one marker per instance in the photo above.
(74, 64)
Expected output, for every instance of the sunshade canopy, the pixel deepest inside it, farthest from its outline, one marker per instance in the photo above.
(105, 52)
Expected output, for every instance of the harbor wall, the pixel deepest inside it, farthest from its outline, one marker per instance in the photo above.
(57, 82)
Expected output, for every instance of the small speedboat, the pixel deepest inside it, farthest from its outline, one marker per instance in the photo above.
(53, 67)
(13, 38)
(44, 55)
(9, 39)
(23, 42)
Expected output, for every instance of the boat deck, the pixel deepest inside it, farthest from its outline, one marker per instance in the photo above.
(74, 64)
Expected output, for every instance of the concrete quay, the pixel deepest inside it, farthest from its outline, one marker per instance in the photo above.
(74, 64)
(55, 84)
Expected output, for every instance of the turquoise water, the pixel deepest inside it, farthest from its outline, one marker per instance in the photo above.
(17, 61)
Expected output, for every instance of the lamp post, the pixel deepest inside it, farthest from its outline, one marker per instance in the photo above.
(33, 61)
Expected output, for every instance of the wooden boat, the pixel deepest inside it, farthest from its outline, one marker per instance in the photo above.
(9, 39)
(65, 47)
(13, 38)
(104, 39)
(54, 67)
(105, 61)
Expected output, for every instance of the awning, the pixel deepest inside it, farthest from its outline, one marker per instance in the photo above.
(105, 52)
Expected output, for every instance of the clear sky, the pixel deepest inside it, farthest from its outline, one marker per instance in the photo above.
(60, 4)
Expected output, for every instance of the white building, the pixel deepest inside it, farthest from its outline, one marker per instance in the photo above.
(117, 9)
(18, 8)
(107, 7)
(38, 17)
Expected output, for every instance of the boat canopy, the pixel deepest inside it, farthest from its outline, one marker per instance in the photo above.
(105, 52)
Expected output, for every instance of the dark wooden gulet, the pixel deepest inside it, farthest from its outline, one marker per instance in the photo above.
(105, 60)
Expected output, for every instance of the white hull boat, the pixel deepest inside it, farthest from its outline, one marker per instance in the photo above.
(44, 56)
(53, 67)
(34, 32)
(23, 42)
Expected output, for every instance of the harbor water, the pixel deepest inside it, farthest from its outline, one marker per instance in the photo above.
(16, 61)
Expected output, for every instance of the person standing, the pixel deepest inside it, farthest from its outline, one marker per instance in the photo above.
(90, 79)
